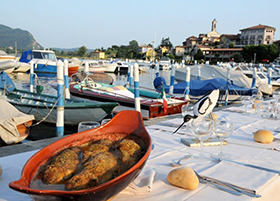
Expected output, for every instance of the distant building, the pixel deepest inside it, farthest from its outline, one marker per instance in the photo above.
(227, 39)
(97, 54)
(145, 48)
(222, 54)
(179, 51)
(256, 35)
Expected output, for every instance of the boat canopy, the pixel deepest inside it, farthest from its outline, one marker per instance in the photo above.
(6, 83)
(28, 55)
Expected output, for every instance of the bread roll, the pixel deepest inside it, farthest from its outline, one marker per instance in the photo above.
(183, 177)
(263, 136)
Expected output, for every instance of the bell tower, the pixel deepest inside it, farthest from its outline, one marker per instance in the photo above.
(214, 25)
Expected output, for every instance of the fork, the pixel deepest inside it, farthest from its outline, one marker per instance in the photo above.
(178, 163)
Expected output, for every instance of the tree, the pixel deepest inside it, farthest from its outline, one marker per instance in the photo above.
(198, 55)
(133, 48)
(167, 43)
(82, 51)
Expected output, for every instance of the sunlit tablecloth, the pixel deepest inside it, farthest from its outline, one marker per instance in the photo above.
(241, 146)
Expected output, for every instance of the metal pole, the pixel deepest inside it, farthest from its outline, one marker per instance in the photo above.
(32, 76)
(227, 85)
(66, 80)
(86, 70)
(128, 74)
(172, 79)
(269, 74)
(60, 96)
(136, 88)
(188, 78)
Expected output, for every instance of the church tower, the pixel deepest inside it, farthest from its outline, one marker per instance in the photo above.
(214, 25)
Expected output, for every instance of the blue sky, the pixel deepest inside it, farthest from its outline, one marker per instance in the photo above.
(96, 24)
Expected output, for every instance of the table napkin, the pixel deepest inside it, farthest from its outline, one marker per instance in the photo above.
(142, 185)
(250, 179)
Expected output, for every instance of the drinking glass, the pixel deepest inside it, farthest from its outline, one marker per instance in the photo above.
(257, 103)
(202, 130)
(186, 109)
(265, 111)
(246, 100)
(223, 129)
(276, 95)
(277, 117)
(86, 125)
(104, 121)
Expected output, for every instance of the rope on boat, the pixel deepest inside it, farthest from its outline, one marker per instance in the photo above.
(45, 117)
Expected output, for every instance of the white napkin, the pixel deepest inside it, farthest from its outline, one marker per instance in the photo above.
(142, 184)
(250, 179)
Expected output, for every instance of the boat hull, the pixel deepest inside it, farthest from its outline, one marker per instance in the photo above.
(43, 108)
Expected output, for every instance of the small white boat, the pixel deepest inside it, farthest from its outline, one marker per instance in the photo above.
(117, 66)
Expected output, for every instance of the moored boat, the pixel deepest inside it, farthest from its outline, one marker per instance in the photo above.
(152, 103)
(43, 106)
(15, 125)
(45, 61)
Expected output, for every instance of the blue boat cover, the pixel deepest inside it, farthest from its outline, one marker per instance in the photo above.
(6, 83)
(26, 56)
(201, 87)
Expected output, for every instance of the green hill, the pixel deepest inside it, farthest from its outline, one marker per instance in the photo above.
(24, 39)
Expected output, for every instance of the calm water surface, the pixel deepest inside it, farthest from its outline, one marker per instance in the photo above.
(21, 80)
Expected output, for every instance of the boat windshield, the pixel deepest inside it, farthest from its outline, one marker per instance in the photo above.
(49, 56)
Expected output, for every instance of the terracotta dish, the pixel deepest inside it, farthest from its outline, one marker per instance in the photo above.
(124, 123)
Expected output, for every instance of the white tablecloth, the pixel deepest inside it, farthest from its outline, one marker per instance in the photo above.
(241, 147)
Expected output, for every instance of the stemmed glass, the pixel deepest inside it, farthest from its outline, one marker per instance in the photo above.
(223, 129)
(257, 102)
(202, 130)
(246, 100)
(86, 125)
(265, 111)
(186, 109)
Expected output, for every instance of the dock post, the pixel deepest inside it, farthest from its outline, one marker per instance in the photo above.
(157, 69)
(188, 79)
(60, 103)
(195, 62)
(86, 70)
(172, 79)
(198, 73)
(32, 76)
(131, 76)
(227, 85)
(66, 80)
(269, 75)
(254, 77)
(183, 63)
(136, 88)
(151, 63)
(128, 74)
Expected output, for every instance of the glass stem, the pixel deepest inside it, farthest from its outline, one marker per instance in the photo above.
(221, 147)
(201, 147)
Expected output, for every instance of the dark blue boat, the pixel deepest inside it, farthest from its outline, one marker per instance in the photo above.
(202, 87)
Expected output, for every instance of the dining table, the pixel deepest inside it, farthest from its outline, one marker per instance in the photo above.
(251, 165)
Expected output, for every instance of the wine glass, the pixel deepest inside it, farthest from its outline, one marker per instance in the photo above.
(202, 130)
(276, 96)
(246, 100)
(223, 129)
(104, 121)
(265, 111)
(186, 109)
(86, 125)
(257, 103)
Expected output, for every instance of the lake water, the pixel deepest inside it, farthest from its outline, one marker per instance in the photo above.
(22, 80)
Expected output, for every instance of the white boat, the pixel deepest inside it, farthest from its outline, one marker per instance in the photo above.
(95, 65)
(117, 66)
(237, 77)
(164, 64)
